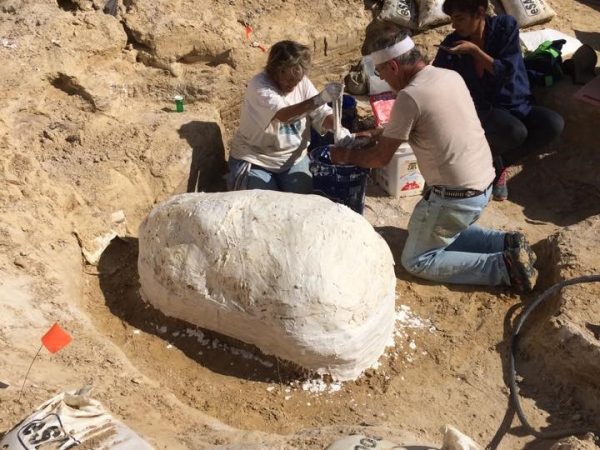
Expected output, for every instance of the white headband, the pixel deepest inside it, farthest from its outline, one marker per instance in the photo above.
(399, 48)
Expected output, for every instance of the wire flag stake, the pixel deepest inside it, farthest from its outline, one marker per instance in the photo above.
(54, 340)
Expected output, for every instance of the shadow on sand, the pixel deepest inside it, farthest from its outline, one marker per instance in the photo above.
(118, 276)
(562, 187)
(208, 165)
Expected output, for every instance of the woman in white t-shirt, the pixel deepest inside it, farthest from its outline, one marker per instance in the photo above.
(269, 150)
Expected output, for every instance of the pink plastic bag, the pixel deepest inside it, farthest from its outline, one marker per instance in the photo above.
(381, 104)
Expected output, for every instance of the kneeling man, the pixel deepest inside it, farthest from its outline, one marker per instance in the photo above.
(434, 112)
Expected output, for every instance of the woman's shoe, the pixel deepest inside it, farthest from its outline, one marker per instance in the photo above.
(500, 190)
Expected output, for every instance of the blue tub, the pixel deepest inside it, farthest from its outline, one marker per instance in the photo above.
(343, 184)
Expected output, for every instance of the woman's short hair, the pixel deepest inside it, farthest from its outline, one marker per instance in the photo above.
(288, 55)
(469, 6)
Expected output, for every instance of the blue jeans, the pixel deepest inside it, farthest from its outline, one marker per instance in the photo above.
(445, 245)
(511, 138)
(296, 179)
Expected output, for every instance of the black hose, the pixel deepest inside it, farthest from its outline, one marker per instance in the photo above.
(514, 391)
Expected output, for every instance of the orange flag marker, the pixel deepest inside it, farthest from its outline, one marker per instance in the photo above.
(56, 338)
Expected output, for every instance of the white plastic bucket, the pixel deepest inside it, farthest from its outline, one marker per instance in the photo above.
(401, 177)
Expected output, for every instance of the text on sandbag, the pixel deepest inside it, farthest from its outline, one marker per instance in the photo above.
(403, 8)
(531, 7)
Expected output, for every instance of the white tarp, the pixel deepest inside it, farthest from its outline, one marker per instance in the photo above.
(299, 276)
(532, 40)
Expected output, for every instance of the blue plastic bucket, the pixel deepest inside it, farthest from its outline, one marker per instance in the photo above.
(343, 184)
(348, 111)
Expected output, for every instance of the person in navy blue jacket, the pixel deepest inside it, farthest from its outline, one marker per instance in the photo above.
(486, 52)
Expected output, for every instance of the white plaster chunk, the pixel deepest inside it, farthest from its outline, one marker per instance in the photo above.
(92, 246)
(299, 276)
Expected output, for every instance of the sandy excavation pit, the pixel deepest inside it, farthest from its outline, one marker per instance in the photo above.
(89, 143)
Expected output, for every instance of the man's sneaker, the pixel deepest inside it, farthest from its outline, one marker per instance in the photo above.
(523, 275)
(517, 240)
(500, 190)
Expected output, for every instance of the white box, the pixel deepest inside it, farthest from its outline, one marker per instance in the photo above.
(401, 177)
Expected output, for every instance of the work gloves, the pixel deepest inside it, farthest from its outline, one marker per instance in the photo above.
(343, 138)
(331, 92)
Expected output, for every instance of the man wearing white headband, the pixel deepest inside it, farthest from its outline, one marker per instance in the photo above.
(434, 112)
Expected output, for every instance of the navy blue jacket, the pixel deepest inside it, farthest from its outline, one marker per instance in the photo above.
(508, 86)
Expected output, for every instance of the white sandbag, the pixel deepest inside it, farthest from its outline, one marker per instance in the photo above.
(456, 440)
(360, 442)
(68, 420)
(528, 12)
(299, 276)
(453, 440)
(400, 12)
(431, 14)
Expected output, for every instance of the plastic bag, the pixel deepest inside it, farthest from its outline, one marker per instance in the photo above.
(376, 84)
(381, 105)
(357, 80)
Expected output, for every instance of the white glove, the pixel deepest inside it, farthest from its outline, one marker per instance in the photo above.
(343, 138)
(331, 92)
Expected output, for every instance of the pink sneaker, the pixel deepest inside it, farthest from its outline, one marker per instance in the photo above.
(500, 190)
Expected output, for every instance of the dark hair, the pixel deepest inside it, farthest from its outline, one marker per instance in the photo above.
(469, 6)
(287, 55)
(411, 57)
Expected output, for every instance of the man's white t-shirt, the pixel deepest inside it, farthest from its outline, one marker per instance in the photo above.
(436, 115)
(267, 142)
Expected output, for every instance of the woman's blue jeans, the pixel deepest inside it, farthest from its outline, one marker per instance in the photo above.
(296, 179)
(446, 246)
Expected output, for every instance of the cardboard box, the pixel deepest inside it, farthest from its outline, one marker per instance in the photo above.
(401, 177)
